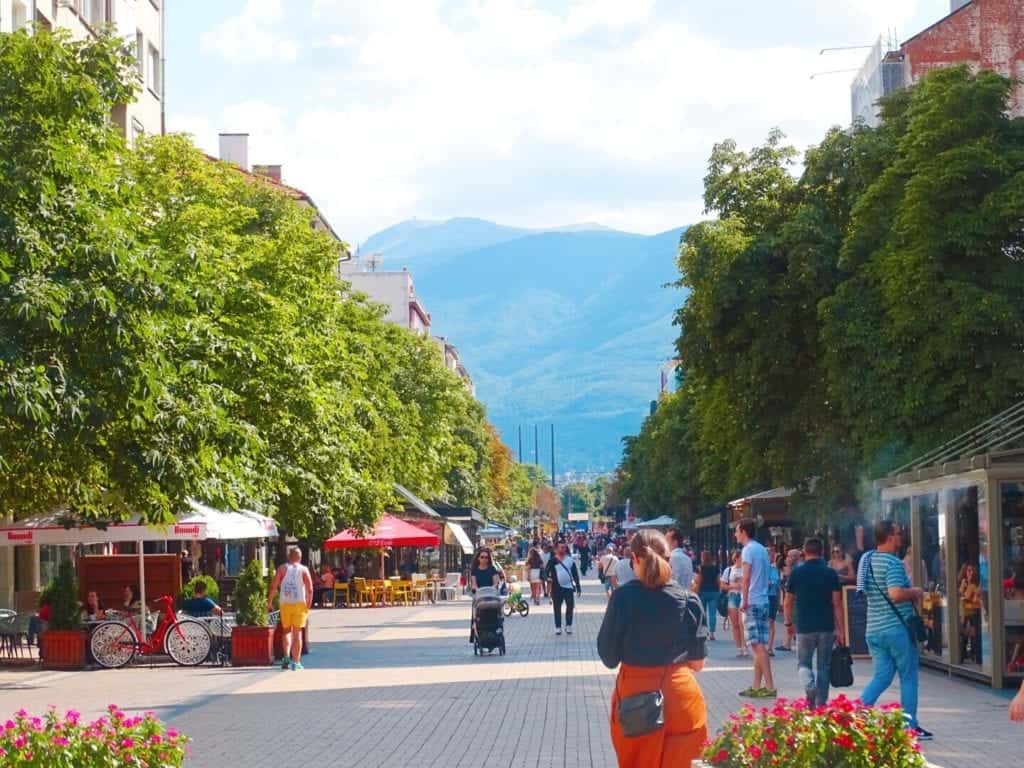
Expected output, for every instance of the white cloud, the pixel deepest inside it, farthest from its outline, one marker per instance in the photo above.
(497, 106)
(253, 34)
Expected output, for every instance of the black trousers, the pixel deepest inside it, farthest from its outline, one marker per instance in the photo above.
(560, 595)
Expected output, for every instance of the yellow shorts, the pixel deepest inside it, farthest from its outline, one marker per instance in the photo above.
(293, 615)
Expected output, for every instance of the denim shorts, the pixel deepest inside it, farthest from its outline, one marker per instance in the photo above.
(734, 600)
(755, 624)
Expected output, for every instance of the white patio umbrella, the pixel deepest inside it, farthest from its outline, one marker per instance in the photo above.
(200, 523)
(658, 522)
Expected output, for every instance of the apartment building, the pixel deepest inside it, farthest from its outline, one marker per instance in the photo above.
(395, 290)
(139, 22)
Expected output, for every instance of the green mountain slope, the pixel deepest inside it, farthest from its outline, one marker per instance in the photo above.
(566, 327)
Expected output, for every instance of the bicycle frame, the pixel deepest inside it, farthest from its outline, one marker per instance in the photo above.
(155, 643)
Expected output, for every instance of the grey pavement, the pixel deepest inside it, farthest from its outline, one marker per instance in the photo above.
(400, 686)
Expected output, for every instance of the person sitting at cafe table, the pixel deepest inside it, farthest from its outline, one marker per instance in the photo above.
(200, 604)
(93, 609)
(130, 600)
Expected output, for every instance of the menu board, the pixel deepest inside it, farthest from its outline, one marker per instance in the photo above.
(855, 621)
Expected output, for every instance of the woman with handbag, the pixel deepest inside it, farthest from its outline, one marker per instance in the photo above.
(656, 631)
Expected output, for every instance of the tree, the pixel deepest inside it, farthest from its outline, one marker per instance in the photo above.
(547, 504)
(97, 415)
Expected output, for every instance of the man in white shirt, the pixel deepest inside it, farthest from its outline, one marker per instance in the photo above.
(754, 605)
(565, 581)
(606, 568)
(680, 562)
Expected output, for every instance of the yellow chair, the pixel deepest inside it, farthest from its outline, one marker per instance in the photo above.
(363, 591)
(400, 590)
(341, 588)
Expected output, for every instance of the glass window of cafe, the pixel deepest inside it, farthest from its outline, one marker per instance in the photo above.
(1012, 506)
(932, 569)
(973, 634)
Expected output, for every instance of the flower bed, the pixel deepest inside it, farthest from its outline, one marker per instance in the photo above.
(109, 742)
(842, 734)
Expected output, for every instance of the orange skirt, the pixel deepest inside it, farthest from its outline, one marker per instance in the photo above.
(682, 738)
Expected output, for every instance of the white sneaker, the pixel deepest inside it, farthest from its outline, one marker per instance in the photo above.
(568, 630)
(558, 631)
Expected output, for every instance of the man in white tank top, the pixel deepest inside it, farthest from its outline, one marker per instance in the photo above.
(296, 587)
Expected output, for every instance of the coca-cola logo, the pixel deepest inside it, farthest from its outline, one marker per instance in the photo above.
(19, 536)
(186, 530)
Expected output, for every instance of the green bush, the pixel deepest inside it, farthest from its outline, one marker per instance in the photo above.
(65, 612)
(212, 589)
(251, 597)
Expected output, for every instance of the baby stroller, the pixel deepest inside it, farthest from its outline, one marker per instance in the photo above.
(488, 623)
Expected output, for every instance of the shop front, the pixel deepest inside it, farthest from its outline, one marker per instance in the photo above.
(963, 514)
(711, 533)
(771, 511)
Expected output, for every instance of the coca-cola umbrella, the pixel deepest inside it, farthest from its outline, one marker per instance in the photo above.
(389, 531)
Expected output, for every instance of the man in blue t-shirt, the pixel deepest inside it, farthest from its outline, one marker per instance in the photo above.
(754, 605)
(199, 604)
(815, 588)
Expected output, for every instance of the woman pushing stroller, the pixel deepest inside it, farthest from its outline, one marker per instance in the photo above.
(482, 574)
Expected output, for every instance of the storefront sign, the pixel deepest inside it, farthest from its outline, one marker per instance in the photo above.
(579, 516)
(22, 537)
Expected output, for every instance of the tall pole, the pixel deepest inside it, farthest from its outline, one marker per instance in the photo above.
(520, 443)
(536, 445)
(553, 484)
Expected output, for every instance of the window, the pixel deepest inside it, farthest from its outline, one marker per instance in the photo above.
(140, 53)
(153, 70)
(19, 17)
(137, 131)
(95, 12)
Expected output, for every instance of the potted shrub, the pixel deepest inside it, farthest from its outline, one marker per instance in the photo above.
(841, 734)
(252, 637)
(116, 739)
(64, 640)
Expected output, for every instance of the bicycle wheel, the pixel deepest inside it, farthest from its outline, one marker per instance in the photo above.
(188, 642)
(524, 609)
(506, 609)
(113, 644)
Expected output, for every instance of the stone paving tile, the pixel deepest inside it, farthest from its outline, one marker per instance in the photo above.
(401, 687)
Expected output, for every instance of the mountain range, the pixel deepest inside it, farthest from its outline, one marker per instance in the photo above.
(566, 326)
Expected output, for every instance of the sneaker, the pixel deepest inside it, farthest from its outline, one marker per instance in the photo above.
(558, 631)
(568, 630)
(751, 693)
(767, 693)
(921, 734)
(297, 665)
(286, 663)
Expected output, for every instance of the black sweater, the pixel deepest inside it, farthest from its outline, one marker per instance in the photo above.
(646, 627)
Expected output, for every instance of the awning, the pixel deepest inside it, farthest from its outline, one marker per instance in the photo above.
(460, 537)
(388, 532)
(202, 522)
(416, 501)
(227, 526)
(659, 522)
(774, 493)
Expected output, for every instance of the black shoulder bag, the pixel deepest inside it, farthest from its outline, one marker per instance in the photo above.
(914, 625)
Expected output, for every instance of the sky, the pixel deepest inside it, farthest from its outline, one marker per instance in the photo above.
(533, 113)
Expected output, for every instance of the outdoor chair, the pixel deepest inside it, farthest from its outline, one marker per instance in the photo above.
(341, 589)
(421, 589)
(363, 593)
(400, 590)
(451, 586)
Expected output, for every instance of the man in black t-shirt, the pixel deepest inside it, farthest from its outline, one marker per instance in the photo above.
(814, 589)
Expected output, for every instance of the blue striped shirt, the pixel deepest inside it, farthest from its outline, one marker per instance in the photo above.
(881, 572)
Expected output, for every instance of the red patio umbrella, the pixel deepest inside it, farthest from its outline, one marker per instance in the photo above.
(389, 532)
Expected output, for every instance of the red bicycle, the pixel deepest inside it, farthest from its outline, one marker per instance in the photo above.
(187, 641)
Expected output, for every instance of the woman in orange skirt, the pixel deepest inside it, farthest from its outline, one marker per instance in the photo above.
(655, 629)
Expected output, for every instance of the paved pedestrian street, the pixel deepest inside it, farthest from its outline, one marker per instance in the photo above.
(401, 687)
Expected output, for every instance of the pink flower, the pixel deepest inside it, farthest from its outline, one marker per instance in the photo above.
(60, 741)
(128, 743)
(754, 751)
(772, 746)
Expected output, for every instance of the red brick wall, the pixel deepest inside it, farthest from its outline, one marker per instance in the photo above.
(987, 34)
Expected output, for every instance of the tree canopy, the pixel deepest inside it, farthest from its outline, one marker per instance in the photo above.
(172, 328)
(840, 321)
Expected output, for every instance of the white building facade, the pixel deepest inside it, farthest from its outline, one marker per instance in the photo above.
(139, 22)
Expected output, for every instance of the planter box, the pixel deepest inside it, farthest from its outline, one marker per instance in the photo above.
(279, 641)
(63, 649)
(252, 646)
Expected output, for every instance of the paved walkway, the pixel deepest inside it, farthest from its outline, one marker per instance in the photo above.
(401, 687)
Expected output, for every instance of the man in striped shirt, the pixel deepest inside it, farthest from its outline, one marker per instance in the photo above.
(892, 648)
